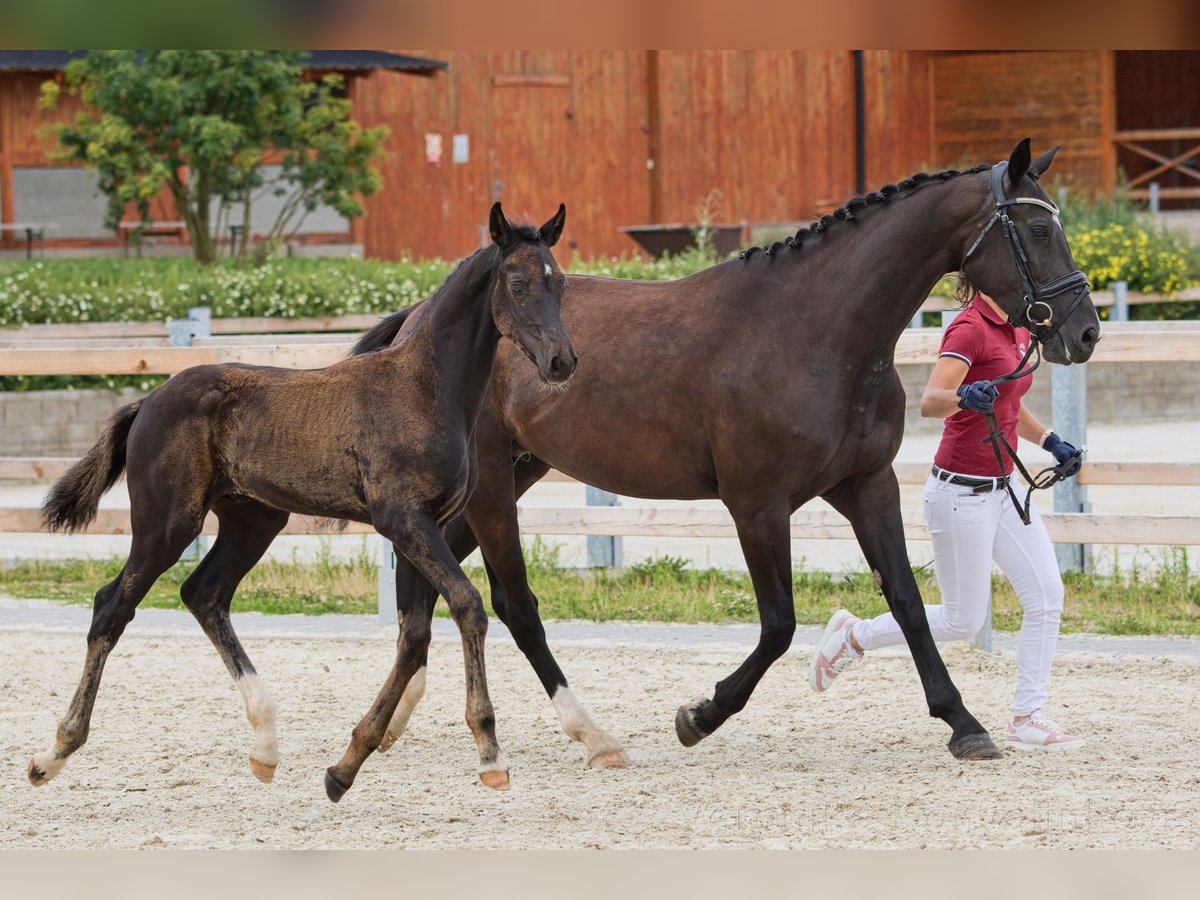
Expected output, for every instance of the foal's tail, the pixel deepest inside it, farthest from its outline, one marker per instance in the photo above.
(382, 335)
(72, 503)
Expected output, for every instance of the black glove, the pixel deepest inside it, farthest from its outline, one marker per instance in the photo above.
(979, 396)
(1064, 454)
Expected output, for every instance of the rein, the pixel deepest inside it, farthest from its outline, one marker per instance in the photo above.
(1032, 296)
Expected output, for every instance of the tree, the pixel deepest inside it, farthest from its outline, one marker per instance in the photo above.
(205, 123)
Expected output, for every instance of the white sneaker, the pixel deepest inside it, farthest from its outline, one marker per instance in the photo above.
(834, 653)
(1039, 733)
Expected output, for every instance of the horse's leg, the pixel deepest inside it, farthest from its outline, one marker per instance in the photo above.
(492, 515)
(423, 543)
(246, 531)
(872, 504)
(765, 535)
(154, 550)
(413, 591)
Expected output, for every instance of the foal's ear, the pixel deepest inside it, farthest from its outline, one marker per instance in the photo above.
(501, 231)
(1042, 163)
(552, 230)
(1018, 163)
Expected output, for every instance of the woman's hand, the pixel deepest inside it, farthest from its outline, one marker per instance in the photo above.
(978, 396)
(1064, 454)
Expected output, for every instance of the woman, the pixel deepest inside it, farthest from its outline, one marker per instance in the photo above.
(972, 521)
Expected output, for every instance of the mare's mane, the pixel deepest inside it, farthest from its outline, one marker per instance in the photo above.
(849, 211)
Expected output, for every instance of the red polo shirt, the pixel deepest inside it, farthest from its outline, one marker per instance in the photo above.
(990, 347)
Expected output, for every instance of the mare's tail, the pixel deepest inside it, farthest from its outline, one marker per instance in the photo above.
(72, 503)
(382, 335)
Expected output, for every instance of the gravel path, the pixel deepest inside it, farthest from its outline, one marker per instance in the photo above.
(860, 767)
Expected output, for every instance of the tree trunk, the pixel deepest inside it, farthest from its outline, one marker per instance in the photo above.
(196, 219)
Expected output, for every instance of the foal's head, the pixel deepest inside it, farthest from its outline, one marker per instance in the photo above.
(1021, 260)
(526, 294)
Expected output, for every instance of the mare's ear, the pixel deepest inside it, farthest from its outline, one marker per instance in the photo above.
(1042, 163)
(1018, 163)
(502, 232)
(553, 229)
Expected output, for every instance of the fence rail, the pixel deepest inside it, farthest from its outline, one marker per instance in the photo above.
(675, 522)
(1122, 342)
(269, 327)
(46, 468)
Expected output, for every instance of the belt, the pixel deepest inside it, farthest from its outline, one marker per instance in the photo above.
(978, 485)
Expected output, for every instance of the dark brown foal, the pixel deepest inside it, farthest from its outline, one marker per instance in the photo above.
(386, 439)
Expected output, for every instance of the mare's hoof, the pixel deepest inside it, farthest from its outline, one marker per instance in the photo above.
(36, 776)
(262, 771)
(974, 747)
(609, 759)
(686, 725)
(496, 779)
(334, 788)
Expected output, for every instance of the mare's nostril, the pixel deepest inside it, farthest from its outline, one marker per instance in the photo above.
(1089, 337)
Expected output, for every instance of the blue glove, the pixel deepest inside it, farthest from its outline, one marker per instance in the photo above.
(979, 396)
(1063, 454)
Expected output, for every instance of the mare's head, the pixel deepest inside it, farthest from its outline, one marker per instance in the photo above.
(526, 293)
(1021, 259)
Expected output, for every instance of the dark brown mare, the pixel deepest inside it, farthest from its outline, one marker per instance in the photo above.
(764, 381)
(385, 439)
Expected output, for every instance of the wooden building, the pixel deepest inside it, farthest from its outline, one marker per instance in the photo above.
(640, 137)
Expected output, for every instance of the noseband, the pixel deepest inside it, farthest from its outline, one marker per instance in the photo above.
(1033, 297)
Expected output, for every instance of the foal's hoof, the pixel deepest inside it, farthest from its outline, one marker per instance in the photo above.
(262, 771)
(36, 776)
(389, 738)
(974, 747)
(609, 759)
(43, 767)
(496, 779)
(687, 724)
(335, 789)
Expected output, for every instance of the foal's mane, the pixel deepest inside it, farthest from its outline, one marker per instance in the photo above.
(848, 212)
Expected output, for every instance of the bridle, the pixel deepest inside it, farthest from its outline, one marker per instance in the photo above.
(1033, 296)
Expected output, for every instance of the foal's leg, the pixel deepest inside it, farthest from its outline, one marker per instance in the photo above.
(872, 504)
(494, 504)
(765, 535)
(492, 515)
(155, 549)
(424, 545)
(246, 531)
(412, 591)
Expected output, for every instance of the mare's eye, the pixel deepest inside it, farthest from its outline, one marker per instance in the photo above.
(517, 288)
(1040, 231)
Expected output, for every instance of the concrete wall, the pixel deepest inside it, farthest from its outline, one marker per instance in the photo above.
(56, 423)
(67, 423)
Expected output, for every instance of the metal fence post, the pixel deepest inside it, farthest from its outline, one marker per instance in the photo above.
(1154, 198)
(1068, 397)
(1120, 307)
(179, 334)
(603, 551)
(387, 582)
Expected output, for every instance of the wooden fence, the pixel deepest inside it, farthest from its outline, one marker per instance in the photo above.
(95, 349)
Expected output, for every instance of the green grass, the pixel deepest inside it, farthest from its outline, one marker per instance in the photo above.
(1162, 600)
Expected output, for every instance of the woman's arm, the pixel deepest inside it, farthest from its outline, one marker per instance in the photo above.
(940, 400)
(1029, 427)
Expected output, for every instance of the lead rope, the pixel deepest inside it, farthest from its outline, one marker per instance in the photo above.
(1044, 479)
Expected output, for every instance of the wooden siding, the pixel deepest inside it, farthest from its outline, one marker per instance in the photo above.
(1156, 89)
(772, 131)
(628, 137)
(898, 95)
(985, 102)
